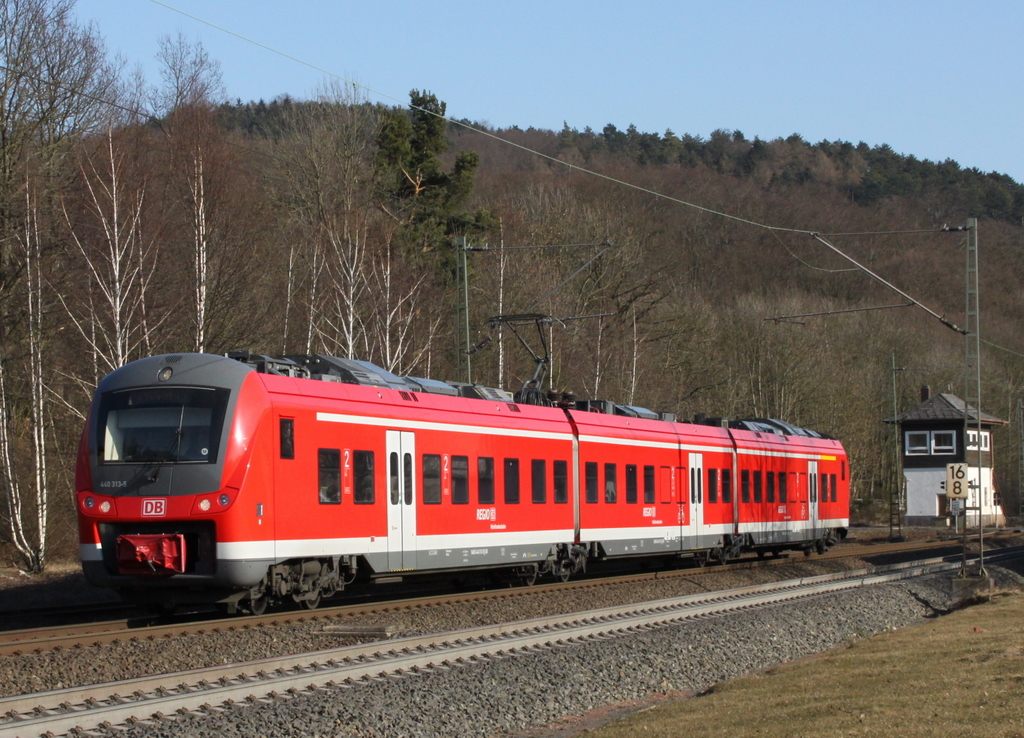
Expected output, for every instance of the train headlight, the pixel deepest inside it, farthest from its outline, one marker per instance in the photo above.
(105, 506)
(89, 503)
(223, 500)
(204, 504)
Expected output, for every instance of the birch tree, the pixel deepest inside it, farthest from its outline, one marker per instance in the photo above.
(329, 179)
(54, 78)
(117, 254)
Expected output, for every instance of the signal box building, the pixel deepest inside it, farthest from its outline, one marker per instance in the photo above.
(932, 435)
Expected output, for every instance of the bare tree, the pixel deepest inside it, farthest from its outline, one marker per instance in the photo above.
(191, 86)
(327, 168)
(118, 257)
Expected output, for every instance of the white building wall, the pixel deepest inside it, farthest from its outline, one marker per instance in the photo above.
(926, 486)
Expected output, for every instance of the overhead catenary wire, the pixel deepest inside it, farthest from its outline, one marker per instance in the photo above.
(638, 188)
(776, 230)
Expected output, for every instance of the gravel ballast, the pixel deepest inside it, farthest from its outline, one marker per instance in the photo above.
(515, 695)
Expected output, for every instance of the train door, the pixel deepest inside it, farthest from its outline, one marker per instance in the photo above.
(812, 498)
(697, 496)
(671, 484)
(401, 449)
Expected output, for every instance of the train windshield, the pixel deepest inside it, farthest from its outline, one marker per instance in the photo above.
(162, 425)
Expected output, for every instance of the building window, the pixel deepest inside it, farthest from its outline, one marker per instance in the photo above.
(917, 443)
(943, 443)
(972, 440)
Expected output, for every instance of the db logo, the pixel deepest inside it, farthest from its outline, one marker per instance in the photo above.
(154, 508)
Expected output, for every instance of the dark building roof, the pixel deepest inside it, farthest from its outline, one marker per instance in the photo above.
(944, 407)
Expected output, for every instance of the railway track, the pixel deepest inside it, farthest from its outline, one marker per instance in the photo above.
(232, 686)
(36, 640)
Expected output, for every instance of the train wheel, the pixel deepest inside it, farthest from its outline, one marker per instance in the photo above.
(819, 545)
(312, 604)
(529, 579)
(258, 606)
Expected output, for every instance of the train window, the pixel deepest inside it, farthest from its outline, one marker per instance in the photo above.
(431, 479)
(393, 478)
(771, 486)
(485, 480)
(631, 484)
(824, 487)
(842, 469)
(833, 484)
(538, 481)
(727, 485)
(757, 487)
(561, 482)
(460, 480)
(329, 463)
(407, 474)
(511, 481)
(712, 486)
(782, 486)
(610, 483)
(745, 485)
(162, 425)
(364, 481)
(287, 429)
(648, 485)
(590, 471)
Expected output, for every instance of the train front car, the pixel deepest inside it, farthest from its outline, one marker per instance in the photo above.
(164, 458)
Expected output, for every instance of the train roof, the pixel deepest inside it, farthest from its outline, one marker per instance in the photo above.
(351, 371)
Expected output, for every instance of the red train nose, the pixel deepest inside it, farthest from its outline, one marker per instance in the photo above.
(151, 555)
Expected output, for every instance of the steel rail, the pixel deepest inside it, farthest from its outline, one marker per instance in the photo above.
(156, 697)
(36, 640)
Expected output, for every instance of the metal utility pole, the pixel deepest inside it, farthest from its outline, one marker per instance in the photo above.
(896, 496)
(972, 378)
(1020, 457)
(462, 337)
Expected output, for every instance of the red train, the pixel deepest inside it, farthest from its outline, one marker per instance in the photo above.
(247, 480)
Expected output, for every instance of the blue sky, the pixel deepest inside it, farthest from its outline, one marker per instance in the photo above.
(936, 79)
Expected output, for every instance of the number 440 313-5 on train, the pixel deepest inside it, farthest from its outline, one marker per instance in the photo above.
(247, 480)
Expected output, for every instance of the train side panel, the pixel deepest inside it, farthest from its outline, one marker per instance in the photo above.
(419, 483)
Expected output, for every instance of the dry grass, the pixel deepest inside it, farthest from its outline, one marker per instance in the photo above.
(958, 675)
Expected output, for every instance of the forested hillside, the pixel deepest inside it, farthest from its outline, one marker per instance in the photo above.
(141, 218)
